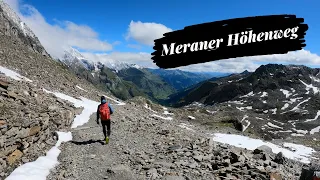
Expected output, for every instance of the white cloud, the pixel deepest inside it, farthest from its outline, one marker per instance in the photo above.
(234, 65)
(134, 46)
(60, 35)
(146, 33)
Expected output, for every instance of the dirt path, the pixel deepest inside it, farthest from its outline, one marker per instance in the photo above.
(146, 147)
(133, 132)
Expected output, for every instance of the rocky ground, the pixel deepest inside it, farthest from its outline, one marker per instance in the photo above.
(145, 147)
(29, 117)
(28, 120)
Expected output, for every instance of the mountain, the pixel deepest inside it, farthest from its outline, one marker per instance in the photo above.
(213, 74)
(180, 79)
(123, 80)
(12, 26)
(72, 56)
(274, 97)
(151, 84)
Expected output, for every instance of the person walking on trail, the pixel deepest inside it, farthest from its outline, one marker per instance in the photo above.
(104, 111)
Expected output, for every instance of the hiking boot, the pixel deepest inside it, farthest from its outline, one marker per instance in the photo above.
(107, 140)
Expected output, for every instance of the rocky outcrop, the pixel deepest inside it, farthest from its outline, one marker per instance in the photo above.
(28, 120)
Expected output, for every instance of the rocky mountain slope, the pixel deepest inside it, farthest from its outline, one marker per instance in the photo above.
(275, 101)
(13, 27)
(151, 84)
(29, 117)
(121, 79)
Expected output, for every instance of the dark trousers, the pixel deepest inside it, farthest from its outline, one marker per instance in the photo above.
(104, 124)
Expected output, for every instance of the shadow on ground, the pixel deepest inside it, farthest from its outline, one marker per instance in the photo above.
(87, 142)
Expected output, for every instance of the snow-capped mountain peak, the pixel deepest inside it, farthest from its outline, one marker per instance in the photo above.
(72, 55)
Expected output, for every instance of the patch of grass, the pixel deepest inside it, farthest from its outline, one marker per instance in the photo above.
(252, 133)
(313, 143)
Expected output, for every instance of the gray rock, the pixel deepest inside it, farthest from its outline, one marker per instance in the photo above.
(193, 165)
(173, 178)
(198, 158)
(279, 158)
(24, 132)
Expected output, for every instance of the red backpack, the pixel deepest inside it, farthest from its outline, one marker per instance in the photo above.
(104, 111)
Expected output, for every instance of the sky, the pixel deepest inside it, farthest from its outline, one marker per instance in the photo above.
(125, 30)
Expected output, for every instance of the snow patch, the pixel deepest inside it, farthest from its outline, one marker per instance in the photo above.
(286, 105)
(274, 126)
(300, 131)
(245, 127)
(242, 108)
(297, 135)
(13, 74)
(287, 131)
(81, 88)
(278, 122)
(286, 93)
(301, 153)
(274, 111)
(167, 113)
(315, 118)
(148, 107)
(211, 112)
(40, 168)
(296, 108)
(247, 95)
(236, 102)
(264, 94)
(185, 126)
(315, 79)
(165, 118)
(315, 130)
(119, 102)
(310, 86)
(89, 106)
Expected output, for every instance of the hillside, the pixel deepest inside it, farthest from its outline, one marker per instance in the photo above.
(123, 80)
(275, 101)
(149, 83)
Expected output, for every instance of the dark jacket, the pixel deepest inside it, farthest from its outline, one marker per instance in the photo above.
(98, 113)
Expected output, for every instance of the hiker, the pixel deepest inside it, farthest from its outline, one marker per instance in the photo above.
(104, 111)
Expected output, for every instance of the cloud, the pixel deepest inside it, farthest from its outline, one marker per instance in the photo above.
(55, 38)
(134, 46)
(116, 43)
(146, 33)
(251, 63)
